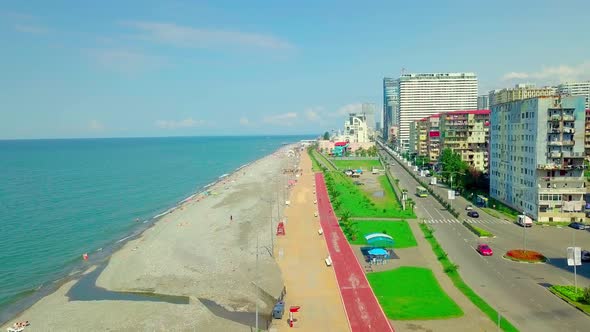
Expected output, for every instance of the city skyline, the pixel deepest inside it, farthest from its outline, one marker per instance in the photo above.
(185, 69)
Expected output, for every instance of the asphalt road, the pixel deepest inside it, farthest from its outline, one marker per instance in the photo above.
(517, 290)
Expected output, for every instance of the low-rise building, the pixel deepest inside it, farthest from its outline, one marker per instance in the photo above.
(537, 157)
(467, 133)
(356, 128)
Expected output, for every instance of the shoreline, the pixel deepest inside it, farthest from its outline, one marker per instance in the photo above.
(100, 258)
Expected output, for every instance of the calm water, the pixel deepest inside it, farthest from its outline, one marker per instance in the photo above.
(62, 198)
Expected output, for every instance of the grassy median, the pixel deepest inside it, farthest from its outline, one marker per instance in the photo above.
(400, 231)
(412, 293)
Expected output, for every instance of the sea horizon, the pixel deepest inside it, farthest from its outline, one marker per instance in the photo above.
(309, 136)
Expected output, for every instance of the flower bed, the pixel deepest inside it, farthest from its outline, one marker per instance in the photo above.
(529, 256)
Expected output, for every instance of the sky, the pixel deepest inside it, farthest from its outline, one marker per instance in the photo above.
(81, 69)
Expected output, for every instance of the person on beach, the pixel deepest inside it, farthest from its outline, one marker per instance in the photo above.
(231, 218)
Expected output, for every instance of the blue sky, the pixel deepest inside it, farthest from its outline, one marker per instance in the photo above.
(169, 68)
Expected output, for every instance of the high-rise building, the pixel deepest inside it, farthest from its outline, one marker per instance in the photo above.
(390, 106)
(418, 142)
(576, 89)
(422, 95)
(468, 134)
(483, 102)
(369, 110)
(519, 92)
(537, 157)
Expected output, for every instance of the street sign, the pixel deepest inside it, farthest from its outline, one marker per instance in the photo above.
(451, 194)
(574, 256)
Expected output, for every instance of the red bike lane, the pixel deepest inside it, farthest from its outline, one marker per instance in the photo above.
(362, 308)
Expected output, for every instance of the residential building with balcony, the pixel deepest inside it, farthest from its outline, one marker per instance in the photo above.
(587, 135)
(418, 137)
(519, 92)
(537, 157)
(433, 137)
(468, 134)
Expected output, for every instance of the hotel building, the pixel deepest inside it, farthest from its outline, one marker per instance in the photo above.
(390, 107)
(537, 157)
(422, 95)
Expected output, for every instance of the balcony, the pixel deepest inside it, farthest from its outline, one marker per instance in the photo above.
(565, 190)
(554, 130)
(569, 130)
(554, 154)
(570, 154)
(568, 118)
(569, 179)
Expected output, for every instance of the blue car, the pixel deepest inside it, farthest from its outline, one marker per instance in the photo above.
(577, 225)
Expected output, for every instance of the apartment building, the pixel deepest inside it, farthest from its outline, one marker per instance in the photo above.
(576, 89)
(519, 92)
(468, 134)
(433, 138)
(422, 95)
(418, 137)
(483, 102)
(537, 157)
(587, 134)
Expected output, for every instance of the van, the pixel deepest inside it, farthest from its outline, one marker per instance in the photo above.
(524, 221)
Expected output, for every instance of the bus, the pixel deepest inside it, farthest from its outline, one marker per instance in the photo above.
(421, 192)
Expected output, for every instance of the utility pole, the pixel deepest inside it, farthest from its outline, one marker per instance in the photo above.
(524, 230)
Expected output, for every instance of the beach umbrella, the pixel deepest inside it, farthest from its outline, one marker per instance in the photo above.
(378, 252)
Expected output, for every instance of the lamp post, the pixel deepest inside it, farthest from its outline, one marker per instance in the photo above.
(524, 230)
(255, 284)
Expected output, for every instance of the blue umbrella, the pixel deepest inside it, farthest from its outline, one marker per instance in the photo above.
(378, 252)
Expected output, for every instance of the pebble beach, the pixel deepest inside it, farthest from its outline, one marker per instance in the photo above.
(204, 250)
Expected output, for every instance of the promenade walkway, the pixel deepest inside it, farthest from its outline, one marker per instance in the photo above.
(300, 255)
(362, 309)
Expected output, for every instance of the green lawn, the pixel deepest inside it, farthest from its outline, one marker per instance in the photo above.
(412, 293)
(366, 165)
(360, 203)
(399, 230)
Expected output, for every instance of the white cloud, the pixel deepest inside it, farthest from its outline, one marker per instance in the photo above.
(183, 36)
(244, 121)
(346, 109)
(554, 74)
(124, 60)
(285, 119)
(313, 113)
(96, 125)
(186, 123)
(32, 29)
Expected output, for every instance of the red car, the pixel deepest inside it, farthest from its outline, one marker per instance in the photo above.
(484, 250)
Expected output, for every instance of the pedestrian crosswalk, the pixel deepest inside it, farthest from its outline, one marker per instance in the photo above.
(470, 221)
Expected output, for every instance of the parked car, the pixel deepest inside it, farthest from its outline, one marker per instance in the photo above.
(484, 250)
(577, 225)
(468, 208)
(585, 256)
(473, 214)
(524, 221)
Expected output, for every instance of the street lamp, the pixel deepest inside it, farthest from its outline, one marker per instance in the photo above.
(524, 230)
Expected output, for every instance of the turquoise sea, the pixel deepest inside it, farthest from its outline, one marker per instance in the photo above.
(62, 198)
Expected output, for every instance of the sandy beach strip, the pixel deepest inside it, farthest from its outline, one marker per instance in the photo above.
(205, 249)
(310, 283)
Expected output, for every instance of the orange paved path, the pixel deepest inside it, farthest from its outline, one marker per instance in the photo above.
(309, 282)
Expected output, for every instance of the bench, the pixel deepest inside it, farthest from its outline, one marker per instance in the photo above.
(328, 261)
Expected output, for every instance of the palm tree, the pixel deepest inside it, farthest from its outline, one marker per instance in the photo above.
(411, 204)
